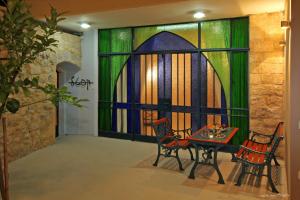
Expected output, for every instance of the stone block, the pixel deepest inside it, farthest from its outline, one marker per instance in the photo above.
(273, 68)
(276, 79)
(255, 79)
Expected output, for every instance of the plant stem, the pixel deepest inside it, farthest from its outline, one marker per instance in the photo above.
(29, 104)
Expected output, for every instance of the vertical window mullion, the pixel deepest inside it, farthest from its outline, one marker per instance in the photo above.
(177, 66)
(184, 96)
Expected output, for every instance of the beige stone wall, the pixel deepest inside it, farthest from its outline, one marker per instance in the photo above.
(267, 72)
(33, 127)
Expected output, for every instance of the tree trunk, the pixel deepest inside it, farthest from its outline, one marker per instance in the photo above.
(3, 166)
(5, 160)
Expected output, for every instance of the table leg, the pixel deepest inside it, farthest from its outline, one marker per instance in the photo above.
(192, 173)
(215, 165)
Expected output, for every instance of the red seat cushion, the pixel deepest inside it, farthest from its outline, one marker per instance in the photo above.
(253, 157)
(181, 143)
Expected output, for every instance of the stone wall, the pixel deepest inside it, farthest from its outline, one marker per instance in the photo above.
(267, 73)
(33, 127)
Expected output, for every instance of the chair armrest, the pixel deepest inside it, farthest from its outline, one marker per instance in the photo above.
(167, 137)
(187, 131)
(257, 134)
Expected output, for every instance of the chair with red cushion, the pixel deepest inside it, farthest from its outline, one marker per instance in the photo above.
(256, 157)
(262, 142)
(170, 141)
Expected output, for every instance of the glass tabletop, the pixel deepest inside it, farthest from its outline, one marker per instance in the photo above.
(206, 135)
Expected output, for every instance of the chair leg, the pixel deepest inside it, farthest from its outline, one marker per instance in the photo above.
(270, 178)
(239, 182)
(158, 155)
(260, 175)
(178, 160)
(275, 160)
(233, 158)
(191, 153)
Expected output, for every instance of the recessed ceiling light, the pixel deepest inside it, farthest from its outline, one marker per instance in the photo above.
(85, 25)
(199, 15)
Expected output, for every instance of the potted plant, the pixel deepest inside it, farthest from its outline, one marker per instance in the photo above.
(22, 40)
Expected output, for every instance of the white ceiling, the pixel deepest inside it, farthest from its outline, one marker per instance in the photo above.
(181, 11)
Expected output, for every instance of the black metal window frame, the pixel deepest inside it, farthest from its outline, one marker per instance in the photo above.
(185, 109)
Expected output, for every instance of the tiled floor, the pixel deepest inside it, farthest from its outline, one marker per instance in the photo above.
(95, 168)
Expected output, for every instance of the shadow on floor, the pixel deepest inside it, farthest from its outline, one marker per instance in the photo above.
(206, 177)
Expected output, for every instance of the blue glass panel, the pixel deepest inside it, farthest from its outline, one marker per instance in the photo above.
(195, 92)
(114, 112)
(203, 90)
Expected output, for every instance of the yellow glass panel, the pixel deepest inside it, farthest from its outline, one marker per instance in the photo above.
(217, 92)
(210, 88)
(186, 31)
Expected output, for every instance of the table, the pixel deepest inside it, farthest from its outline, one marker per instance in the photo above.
(210, 146)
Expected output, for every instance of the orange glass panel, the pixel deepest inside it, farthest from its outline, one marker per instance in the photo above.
(174, 120)
(188, 79)
(148, 79)
(217, 98)
(174, 79)
(147, 116)
(180, 68)
(210, 86)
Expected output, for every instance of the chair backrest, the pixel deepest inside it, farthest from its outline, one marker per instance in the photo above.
(275, 143)
(277, 132)
(162, 128)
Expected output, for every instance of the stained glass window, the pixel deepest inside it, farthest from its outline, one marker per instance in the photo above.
(194, 73)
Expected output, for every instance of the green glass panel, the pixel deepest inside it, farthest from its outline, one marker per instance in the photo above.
(108, 76)
(240, 33)
(186, 31)
(117, 64)
(239, 95)
(121, 40)
(215, 34)
(104, 94)
(220, 62)
(104, 41)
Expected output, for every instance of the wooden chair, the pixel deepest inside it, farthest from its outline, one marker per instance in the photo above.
(256, 158)
(262, 141)
(169, 141)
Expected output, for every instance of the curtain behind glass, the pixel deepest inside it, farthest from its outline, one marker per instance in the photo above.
(239, 79)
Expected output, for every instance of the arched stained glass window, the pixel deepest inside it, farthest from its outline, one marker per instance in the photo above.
(195, 74)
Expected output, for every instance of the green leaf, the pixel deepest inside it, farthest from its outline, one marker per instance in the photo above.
(26, 81)
(35, 81)
(2, 96)
(12, 105)
(26, 91)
